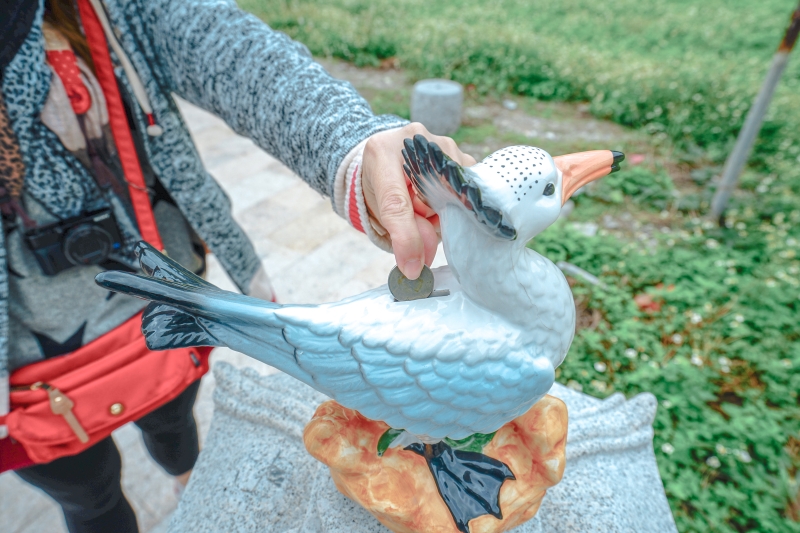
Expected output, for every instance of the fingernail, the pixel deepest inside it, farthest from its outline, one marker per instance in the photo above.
(412, 268)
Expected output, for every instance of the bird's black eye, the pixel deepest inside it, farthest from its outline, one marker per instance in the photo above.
(549, 189)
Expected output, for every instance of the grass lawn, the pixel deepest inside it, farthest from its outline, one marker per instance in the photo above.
(706, 318)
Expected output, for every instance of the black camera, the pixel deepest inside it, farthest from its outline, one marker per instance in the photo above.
(87, 239)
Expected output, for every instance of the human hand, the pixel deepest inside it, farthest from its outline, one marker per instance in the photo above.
(390, 198)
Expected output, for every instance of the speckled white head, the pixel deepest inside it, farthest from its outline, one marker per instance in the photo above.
(524, 183)
(514, 194)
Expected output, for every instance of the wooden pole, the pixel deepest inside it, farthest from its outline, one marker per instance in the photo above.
(752, 124)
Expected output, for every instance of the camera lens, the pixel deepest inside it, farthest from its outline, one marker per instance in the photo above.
(87, 244)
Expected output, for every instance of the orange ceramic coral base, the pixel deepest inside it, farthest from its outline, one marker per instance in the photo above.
(398, 488)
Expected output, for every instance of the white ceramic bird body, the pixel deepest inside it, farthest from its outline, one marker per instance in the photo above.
(445, 367)
(438, 367)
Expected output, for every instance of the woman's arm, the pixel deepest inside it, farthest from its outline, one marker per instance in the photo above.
(263, 84)
(267, 87)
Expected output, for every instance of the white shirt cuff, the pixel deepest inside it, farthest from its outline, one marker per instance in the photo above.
(349, 199)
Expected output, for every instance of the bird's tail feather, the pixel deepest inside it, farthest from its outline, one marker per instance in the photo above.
(158, 266)
(166, 327)
(185, 306)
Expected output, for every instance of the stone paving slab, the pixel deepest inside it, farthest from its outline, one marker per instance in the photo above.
(312, 256)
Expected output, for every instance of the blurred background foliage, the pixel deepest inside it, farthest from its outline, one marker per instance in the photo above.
(707, 318)
(682, 69)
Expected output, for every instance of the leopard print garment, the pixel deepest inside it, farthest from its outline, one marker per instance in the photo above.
(12, 169)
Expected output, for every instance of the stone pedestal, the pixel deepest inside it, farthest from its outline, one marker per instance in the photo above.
(254, 474)
(437, 105)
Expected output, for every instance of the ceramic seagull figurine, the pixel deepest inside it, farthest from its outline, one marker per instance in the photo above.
(441, 367)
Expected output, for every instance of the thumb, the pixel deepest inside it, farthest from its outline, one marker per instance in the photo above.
(396, 213)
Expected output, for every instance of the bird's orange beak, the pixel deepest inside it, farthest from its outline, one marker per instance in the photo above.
(584, 167)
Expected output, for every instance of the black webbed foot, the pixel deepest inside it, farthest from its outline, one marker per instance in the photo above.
(468, 482)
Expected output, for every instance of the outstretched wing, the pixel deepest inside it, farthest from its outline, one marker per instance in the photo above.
(440, 181)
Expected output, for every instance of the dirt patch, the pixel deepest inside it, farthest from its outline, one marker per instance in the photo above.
(571, 123)
(366, 78)
(550, 125)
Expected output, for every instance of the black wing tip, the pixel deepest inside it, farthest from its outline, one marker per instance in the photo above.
(424, 158)
(157, 265)
(117, 280)
(421, 141)
(165, 328)
(143, 247)
(408, 144)
(102, 279)
(507, 232)
(474, 196)
(438, 157)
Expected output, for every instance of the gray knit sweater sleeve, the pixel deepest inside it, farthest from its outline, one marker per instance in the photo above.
(263, 84)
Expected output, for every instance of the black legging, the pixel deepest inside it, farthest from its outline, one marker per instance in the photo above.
(87, 485)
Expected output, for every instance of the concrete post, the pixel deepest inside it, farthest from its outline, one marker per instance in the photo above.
(437, 105)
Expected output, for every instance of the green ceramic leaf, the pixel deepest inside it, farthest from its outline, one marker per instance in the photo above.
(473, 443)
(387, 439)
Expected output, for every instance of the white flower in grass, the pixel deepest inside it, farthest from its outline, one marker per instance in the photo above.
(713, 462)
(630, 353)
(712, 243)
(677, 338)
(600, 366)
(667, 404)
(696, 360)
(743, 456)
(696, 318)
(574, 385)
(667, 448)
(599, 385)
(739, 318)
(724, 361)
(722, 450)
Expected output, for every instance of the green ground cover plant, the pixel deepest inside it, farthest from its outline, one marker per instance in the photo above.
(684, 70)
(705, 318)
(708, 320)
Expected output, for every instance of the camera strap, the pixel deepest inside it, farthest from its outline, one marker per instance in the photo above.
(118, 122)
(103, 176)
